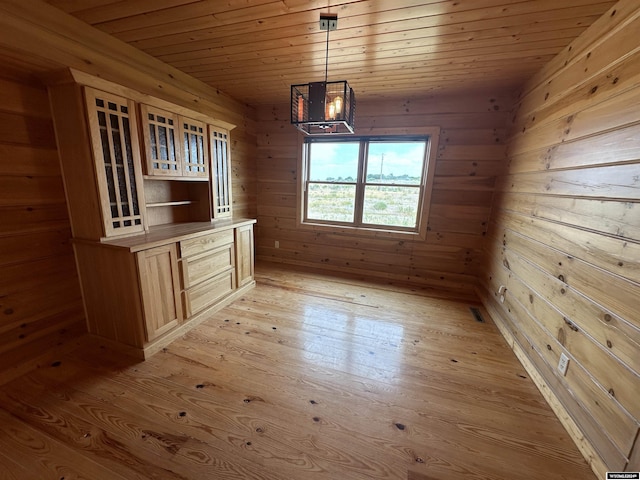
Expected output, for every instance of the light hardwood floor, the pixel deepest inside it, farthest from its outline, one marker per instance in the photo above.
(308, 376)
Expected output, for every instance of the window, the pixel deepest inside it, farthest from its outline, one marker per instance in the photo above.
(367, 183)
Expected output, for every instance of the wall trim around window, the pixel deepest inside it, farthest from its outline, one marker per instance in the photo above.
(433, 132)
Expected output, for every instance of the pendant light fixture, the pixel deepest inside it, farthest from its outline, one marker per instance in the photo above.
(324, 108)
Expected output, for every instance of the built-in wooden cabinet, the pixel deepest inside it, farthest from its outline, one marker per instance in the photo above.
(156, 253)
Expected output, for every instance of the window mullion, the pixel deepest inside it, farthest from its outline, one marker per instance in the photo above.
(362, 167)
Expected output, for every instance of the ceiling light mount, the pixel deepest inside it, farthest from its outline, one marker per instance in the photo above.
(321, 108)
(328, 21)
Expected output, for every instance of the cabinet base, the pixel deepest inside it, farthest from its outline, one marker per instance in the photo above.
(162, 342)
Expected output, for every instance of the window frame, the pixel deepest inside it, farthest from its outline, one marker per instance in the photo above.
(430, 134)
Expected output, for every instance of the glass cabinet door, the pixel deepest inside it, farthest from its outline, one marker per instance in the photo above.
(220, 172)
(115, 147)
(194, 150)
(161, 142)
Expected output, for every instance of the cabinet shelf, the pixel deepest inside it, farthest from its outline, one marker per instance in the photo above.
(176, 201)
(171, 204)
(176, 178)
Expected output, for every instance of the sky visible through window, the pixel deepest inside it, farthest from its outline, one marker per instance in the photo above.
(398, 162)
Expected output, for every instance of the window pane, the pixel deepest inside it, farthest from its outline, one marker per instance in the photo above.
(164, 154)
(152, 138)
(395, 162)
(333, 161)
(331, 202)
(391, 206)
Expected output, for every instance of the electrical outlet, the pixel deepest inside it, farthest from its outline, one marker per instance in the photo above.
(563, 364)
(277, 244)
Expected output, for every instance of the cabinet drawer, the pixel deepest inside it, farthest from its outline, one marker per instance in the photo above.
(207, 293)
(197, 245)
(199, 268)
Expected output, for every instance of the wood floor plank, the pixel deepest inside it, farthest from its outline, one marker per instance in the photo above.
(34, 455)
(307, 376)
(125, 437)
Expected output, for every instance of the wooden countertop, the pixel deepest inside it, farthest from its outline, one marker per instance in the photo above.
(163, 234)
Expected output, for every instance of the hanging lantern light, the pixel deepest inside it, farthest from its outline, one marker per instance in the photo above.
(320, 108)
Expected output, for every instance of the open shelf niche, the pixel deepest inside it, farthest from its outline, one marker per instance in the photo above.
(176, 201)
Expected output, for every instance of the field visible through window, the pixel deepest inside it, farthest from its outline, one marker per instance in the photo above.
(383, 205)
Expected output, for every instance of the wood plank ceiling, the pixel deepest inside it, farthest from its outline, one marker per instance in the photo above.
(254, 50)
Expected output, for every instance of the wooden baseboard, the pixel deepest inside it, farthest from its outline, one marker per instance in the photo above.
(458, 286)
(590, 454)
(96, 341)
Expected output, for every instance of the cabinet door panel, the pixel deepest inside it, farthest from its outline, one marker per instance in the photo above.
(244, 254)
(159, 285)
(161, 141)
(195, 158)
(114, 140)
(220, 172)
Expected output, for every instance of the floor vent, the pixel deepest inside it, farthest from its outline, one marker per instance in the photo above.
(476, 314)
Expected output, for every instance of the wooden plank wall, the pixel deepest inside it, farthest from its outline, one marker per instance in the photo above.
(40, 300)
(565, 237)
(470, 155)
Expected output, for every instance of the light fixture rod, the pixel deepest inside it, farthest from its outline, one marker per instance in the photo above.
(326, 59)
(328, 22)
